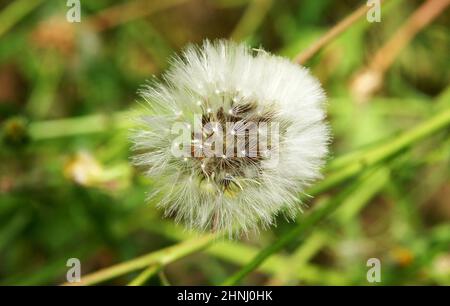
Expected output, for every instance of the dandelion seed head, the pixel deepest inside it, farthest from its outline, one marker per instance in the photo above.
(233, 84)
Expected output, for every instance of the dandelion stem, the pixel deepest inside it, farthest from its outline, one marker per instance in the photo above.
(158, 258)
(145, 275)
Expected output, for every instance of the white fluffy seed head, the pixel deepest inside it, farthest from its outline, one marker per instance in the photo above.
(223, 81)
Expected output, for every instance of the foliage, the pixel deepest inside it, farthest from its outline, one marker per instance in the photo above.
(67, 188)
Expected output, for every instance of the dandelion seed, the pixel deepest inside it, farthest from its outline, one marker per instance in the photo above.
(227, 192)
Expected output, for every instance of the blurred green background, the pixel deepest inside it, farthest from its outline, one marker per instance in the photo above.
(67, 188)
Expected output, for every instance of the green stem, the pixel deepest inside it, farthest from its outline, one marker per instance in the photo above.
(145, 275)
(252, 19)
(384, 151)
(295, 233)
(44, 90)
(329, 36)
(48, 129)
(159, 258)
(14, 12)
(163, 278)
(239, 254)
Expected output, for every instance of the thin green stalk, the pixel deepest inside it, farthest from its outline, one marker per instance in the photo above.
(366, 191)
(252, 19)
(367, 188)
(145, 275)
(48, 129)
(308, 249)
(334, 32)
(384, 151)
(14, 12)
(239, 254)
(161, 257)
(228, 251)
(128, 11)
(163, 278)
(45, 87)
(312, 219)
(369, 159)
